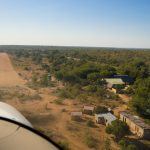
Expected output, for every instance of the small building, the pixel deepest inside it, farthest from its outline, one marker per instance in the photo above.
(136, 125)
(114, 83)
(105, 119)
(88, 110)
(125, 78)
(110, 110)
(76, 115)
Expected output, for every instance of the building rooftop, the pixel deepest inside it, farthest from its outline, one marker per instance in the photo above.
(108, 116)
(76, 113)
(114, 80)
(125, 78)
(136, 120)
(88, 108)
(109, 85)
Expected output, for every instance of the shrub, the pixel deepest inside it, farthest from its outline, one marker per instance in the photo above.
(107, 144)
(90, 123)
(83, 98)
(123, 144)
(45, 80)
(91, 88)
(140, 101)
(101, 109)
(26, 97)
(59, 101)
(118, 128)
(64, 145)
(90, 141)
(126, 146)
(65, 94)
(131, 147)
(63, 110)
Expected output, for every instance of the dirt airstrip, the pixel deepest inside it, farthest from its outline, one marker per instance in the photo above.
(8, 77)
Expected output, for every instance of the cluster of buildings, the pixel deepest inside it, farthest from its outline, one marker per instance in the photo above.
(136, 124)
(77, 115)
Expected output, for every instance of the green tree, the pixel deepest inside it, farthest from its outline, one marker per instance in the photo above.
(90, 123)
(45, 81)
(125, 145)
(131, 147)
(59, 75)
(135, 69)
(141, 99)
(118, 128)
(93, 77)
(107, 71)
(101, 109)
(64, 145)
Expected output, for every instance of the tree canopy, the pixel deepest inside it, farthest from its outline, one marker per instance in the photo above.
(118, 128)
(141, 99)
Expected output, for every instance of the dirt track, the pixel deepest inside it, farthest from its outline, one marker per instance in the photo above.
(8, 76)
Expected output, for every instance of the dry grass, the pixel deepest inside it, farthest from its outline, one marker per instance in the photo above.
(19, 93)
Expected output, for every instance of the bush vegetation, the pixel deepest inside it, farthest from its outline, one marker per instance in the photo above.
(125, 145)
(118, 128)
(64, 145)
(90, 123)
(101, 109)
(107, 144)
(141, 99)
(59, 101)
(90, 141)
(83, 69)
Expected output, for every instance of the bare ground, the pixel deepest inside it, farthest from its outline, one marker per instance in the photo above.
(8, 77)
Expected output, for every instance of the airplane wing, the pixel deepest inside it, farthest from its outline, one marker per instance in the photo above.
(17, 133)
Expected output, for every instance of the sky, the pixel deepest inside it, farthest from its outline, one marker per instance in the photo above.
(100, 23)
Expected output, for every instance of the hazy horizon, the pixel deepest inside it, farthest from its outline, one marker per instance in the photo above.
(105, 47)
(96, 23)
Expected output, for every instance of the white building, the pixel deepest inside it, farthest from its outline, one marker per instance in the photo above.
(105, 119)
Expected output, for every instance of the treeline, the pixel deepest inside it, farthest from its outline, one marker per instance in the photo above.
(86, 71)
(141, 98)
